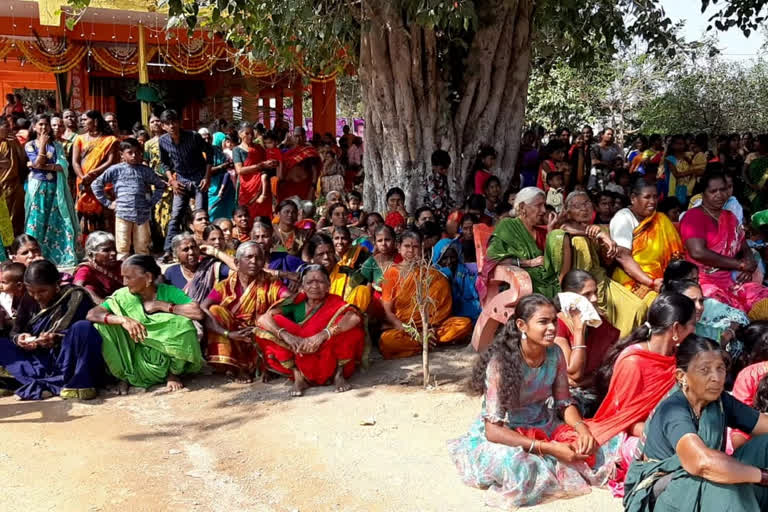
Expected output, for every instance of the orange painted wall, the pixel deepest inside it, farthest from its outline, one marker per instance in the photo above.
(14, 76)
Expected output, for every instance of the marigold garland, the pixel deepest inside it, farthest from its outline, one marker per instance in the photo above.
(112, 63)
(191, 63)
(52, 63)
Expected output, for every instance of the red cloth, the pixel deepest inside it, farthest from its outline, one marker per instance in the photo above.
(745, 385)
(599, 341)
(320, 367)
(641, 379)
(292, 183)
(481, 176)
(251, 186)
(96, 281)
(563, 434)
(394, 219)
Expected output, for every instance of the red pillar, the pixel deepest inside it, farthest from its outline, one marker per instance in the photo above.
(298, 106)
(324, 107)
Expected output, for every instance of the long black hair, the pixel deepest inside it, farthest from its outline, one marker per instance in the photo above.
(101, 123)
(754, 336)
(666, 310)
(506, 350)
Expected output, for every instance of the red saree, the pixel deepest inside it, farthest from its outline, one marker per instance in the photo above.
(344, 349)
(297, 181)
(640, 380)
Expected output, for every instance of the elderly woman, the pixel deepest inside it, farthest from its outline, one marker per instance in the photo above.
(682, 465)
(282, 264)
(520, 241)
(578, 246)
(233, 309)
(100, 273)
(50, 350)
(448, 258)
(313, 337)
(147, 330)
(647, 241)
(716, 243)
(529, 443)
(193, 275)
(405, 287)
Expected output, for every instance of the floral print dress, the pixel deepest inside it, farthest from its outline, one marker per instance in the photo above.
(513, 476)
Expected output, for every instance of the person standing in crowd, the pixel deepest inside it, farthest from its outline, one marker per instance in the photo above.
(528, 161)
(111, 120)
(12, 172)
(50, 214)
(604, 155)
(133, 204)
(162, 212)
(481, 169)
(251, 165)
(93, 152)
(221, 191)
(301, 165)
(182, 154)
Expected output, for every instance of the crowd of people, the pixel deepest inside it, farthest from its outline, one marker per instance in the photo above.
(637, 362)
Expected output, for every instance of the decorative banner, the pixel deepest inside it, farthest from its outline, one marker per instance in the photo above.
(77, 88)
(121, 60)
(48, 55)
(192, 58)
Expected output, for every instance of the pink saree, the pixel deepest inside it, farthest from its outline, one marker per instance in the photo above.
(725, 237)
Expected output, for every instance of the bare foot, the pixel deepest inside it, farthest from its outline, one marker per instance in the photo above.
(299, 383)
(243, 377)
(122, 388)
(340, 382)
(265, 376)
(174, 383)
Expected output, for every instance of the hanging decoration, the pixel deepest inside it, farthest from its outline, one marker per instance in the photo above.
(5, 47)
(250, 67)
(51, 56)
(121, 60)
(192, 58)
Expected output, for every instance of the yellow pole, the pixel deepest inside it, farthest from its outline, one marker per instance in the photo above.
(143, 74)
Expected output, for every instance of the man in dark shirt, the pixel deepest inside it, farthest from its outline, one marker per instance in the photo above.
(183, 157)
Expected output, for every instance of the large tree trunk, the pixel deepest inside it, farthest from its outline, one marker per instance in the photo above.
(411, 108)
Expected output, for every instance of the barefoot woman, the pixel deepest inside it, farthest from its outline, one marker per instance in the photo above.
(147, 330)
(314, 336)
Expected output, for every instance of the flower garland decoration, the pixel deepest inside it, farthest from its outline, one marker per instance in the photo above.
(121, 60)
(66, 56)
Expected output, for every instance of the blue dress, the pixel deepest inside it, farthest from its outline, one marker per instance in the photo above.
(466, 301)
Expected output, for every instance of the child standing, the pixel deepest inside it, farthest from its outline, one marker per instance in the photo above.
(242, 222)
(332, 174)
(356, 217)
(555, 192)
(134, 201)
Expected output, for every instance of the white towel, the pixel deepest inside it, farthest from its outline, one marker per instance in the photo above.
(589, 314)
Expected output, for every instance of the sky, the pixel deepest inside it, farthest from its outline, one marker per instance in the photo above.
(733, 45)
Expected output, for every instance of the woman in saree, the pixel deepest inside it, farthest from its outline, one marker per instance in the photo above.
(756, 173)
(12, 172)
(233, 309)
(373, 221)
(404, 287)
(584, 346)
(521, 448)
(194, 275)
(221, 190)
(280, 264)
(100, 272)
(384, 256)
(93, 152)
(289, 238)
(146, 329)
(50, 214)
(312, 337)
(338, 216)
(447, 257)
(301, 164)
(51, 351)
(520, 241)
(716, 243)
(568, 249)
(344, 271)
(750, 384)
(162, 213)
(638, 372)
(254, 191)
(647, 241)
(681, 464)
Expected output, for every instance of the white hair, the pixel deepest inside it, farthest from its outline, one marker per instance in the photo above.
(525, 196)
(573, 195)
(180, 239)
(203, 131)
(245, 246)
(96, 239)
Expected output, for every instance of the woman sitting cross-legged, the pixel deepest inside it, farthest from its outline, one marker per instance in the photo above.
(448, 258)
(312, 337)
(51, 351)
(194, 274)
(403, 287)
(147, 330)
(233, 309)
(681, 463)
(529, 443)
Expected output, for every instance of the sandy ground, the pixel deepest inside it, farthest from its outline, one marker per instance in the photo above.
(223, 446)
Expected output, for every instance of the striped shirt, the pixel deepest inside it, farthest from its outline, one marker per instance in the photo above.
(133, 189)
(187, 158)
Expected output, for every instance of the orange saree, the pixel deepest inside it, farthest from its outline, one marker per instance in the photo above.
(344, 349)
(236, 309)
(655, 243)
(93, 152)
(399, 289)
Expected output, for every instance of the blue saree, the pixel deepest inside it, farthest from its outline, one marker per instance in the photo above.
(465, 299)
(221, 191)
(73, 368)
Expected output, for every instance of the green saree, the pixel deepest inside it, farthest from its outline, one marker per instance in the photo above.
(687, 493)
(171, 345)
(511, 239)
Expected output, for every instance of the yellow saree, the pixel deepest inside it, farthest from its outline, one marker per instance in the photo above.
(655, 243)
(346, 279)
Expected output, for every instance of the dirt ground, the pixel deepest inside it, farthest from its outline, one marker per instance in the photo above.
(223, 446)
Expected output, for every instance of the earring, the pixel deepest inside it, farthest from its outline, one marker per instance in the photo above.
(675, 338)
(523, 336)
